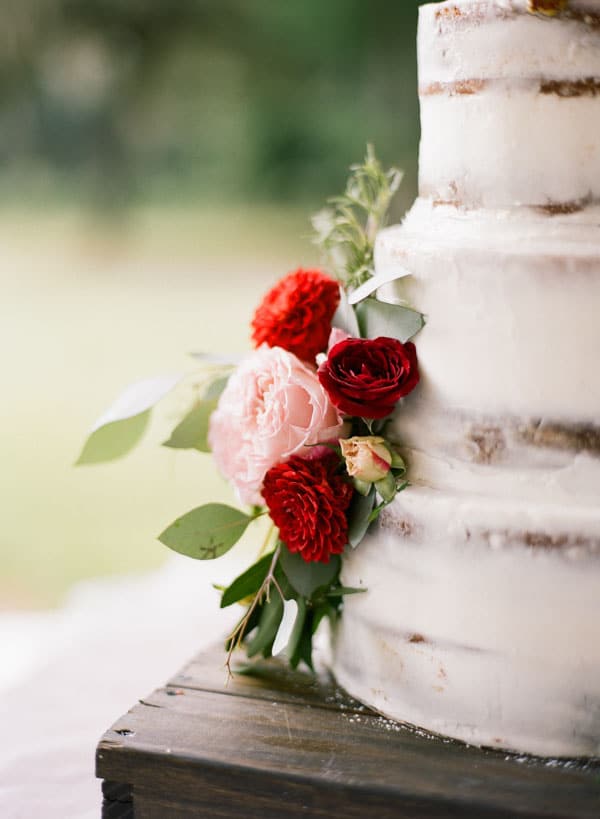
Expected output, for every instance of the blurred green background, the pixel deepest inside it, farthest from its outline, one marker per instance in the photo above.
(159, 161)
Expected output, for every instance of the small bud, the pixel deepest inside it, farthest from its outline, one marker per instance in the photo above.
(367, 457)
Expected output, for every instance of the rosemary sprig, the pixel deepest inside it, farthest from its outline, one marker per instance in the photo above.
(346, 230)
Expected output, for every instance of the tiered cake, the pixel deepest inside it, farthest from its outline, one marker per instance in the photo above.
(482, 618)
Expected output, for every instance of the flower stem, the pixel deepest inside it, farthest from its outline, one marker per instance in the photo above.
(237, 635)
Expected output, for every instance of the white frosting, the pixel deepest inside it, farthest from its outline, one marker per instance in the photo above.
(482, 615)
(516, 48)
(497, 149)
(505, 143)
(511, 301)
(510, 655)
(443, 454)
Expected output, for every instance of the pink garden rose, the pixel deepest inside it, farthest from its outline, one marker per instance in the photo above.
(273, 407)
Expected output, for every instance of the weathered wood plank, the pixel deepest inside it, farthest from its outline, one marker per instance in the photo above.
(208, 673)
(117, 800)
(223, 753)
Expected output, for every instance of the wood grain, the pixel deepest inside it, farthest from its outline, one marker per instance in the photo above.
(284, 744)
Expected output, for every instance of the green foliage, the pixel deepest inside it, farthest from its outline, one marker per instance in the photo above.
(268, 625)
(308, 578)
(346, 231)
(359, 516)
(248, 583)
(379, 318)
(215, 388)
(112, 441)
(192, 431)
(206, 532)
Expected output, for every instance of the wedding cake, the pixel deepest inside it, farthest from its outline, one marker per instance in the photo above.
(482, 618)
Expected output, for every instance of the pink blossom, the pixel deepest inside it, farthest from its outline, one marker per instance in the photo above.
(273, 407)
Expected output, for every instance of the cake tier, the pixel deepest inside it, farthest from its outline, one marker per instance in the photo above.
(480, 621)
(510, 395)
(511, 299)
(510, 104)
(481, 618)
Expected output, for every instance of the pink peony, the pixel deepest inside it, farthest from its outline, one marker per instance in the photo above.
(273, 407)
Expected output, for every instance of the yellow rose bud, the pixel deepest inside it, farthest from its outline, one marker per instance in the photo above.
(367, 458)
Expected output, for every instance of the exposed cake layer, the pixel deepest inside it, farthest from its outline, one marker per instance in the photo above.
(480, 622)
(510, 103)
(533, 459)
(511, 299)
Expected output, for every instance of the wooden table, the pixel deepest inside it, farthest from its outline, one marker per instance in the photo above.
(282, 744)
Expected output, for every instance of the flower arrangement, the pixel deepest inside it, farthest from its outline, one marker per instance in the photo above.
(298, 428)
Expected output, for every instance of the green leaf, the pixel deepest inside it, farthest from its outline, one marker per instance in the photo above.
(297, 631)
(305, 577)
(270, 618)
(375, 282)
(380, 318)
(304, 647)
(112, 441)
(324, 610)
(206, 532)
(359, 517)
(215, 388)
(387, 487)
(398, 464)
(290, 628)
(192, 431)
(345, 317)
(120, 428)
(247, 583)
(362, 487)
(343, 591)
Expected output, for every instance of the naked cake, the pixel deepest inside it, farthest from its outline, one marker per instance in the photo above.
(482, 620)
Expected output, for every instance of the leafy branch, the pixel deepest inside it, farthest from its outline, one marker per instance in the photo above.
(346, 230)
(236, 637)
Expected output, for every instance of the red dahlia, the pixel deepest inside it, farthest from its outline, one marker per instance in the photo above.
(296, 314)
(368, 376)
(307, 500)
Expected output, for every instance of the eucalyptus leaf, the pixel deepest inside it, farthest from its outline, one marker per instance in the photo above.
(215, 388)
(303, 650)
(206, 532)
(247, 583)
(268, 625)
(359, 517)
(299, 628)
(380, 318)
(324, 610)
(375, 282)
(286, 627)
(306, 577)
(386, 487)
(344, 591)
(192, 431)
(345, 317)
(120, 428)
(112, 441)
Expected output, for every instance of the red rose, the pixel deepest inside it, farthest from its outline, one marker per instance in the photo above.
(366, 377)
(296, 314)
(307, 500)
